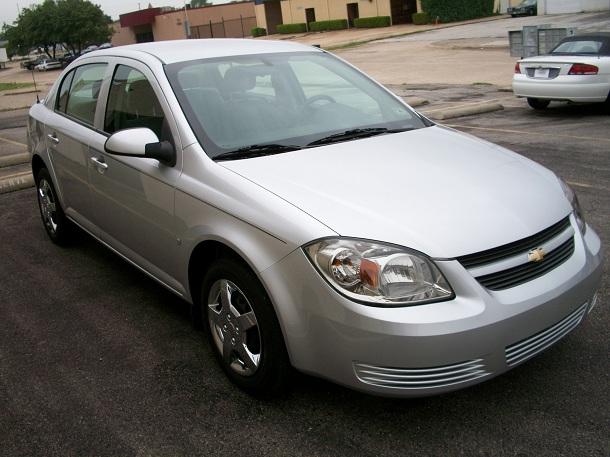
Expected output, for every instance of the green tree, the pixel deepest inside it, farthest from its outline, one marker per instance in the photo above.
(72, 23)
(198, 3)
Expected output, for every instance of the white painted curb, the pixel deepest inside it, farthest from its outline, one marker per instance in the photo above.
(466, 111)
(16, 182)
(14, 159)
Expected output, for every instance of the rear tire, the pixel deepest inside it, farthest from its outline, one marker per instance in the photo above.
(538, 104)
(55, 222)
(243, 329)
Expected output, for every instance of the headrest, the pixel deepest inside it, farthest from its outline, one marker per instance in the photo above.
(237, 79)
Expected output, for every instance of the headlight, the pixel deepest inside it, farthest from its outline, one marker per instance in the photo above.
(379, 274)
(578, 214)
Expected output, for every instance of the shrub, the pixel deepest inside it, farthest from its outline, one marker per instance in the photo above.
(370, 22)
(292, 28)
(451, 11)
(258, 31)
(420, 18)
(335, 24)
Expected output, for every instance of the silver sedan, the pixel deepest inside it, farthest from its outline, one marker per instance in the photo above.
(312, 218)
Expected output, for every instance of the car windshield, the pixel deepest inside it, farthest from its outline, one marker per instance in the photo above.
(578, 47)
(282, 100)
(528, 3)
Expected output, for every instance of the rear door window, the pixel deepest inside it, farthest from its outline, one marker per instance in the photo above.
(84, 92)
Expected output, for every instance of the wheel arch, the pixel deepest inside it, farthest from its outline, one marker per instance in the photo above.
(37, 164)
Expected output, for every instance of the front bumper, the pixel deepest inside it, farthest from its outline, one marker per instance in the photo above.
(574, 88)
(429, 349)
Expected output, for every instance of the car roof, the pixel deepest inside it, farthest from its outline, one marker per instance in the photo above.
(184, 50)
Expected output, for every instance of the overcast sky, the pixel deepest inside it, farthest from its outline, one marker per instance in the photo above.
(9, 8)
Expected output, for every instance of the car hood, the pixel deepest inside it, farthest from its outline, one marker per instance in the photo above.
(434, 190)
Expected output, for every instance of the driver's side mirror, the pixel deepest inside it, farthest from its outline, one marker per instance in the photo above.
(141, 142)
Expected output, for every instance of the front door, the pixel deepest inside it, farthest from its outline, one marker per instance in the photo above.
(352, 13)
(134, 197)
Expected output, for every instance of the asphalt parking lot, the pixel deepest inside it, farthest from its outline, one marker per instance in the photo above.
(98, 360)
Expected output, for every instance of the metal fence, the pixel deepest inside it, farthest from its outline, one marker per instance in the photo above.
(231, 28)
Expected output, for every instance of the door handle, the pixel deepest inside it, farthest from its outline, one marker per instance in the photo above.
(99, 164)
(53, 137)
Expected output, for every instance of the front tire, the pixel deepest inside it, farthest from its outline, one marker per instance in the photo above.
(243, 329)
(538, 104)
(53, 218)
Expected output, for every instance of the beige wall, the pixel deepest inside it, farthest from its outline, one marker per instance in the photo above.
(170, 26)
(293, 11)
(122, 35)
(261, 20)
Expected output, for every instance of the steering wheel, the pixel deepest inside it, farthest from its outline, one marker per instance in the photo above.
(316, 98)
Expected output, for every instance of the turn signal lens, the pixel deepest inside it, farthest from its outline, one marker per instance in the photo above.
(583, 69)
(381, 274)
(517, 68)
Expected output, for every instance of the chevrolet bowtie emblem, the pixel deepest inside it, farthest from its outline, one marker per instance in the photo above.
(536, 255)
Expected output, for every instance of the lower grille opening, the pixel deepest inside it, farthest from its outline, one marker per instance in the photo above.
(525, 349)
(421, 378)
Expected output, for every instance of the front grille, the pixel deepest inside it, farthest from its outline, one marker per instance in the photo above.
(421, 378)
(529, 347)
(509, 266)
(507, 250)
(526, 272)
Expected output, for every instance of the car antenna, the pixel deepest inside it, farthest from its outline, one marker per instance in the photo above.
(35, 88)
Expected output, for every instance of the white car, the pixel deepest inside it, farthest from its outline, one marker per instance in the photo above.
(48, 64)
(577, 70)
(310, 217)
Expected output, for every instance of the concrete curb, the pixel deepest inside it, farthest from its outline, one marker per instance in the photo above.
(14, 159)
(416, 101)
(16, 182)
(466, 111)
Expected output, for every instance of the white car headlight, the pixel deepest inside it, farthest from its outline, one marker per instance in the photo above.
(578, 213)
(379, 274)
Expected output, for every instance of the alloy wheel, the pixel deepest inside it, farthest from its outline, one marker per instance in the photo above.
(234, 327)
(48, 208)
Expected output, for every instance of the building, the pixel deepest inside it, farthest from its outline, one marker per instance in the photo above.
(271, 13)
(572, 6)
(230, 20)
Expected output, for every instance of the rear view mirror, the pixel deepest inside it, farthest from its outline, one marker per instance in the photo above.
(141, 142)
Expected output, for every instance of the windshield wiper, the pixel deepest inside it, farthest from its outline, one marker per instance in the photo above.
(356, 134)
(256, 150)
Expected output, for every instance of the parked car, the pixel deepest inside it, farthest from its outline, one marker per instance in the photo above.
(525, 8)
(105, 46)
(30, 64)
(68, 59)
(311, 217)
(577, 70)
(89, 49)
(48, 64)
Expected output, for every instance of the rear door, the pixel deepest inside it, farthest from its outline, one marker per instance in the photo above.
(134, 197)
(69, 131)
